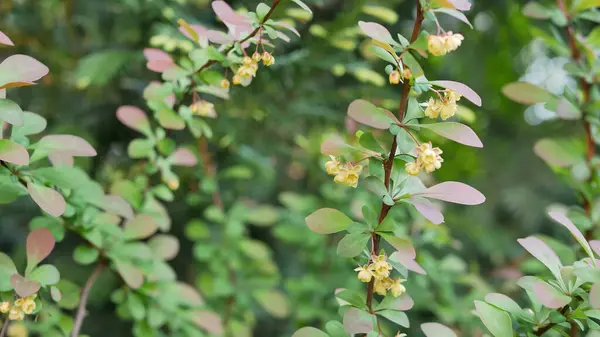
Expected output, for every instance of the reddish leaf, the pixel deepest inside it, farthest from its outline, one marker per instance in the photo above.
(5, 40)
(164, 247)
(183, 157)
(368, 114)
(24, 287)
(117, 205)
(132, 275)
(357, 321)
(549, 296)
(403, 246)
(456, 14)
(198, 29)
(566, 110)
(376, 32)
(134, 118)
(141, 227)
(61, 160)
(40, 243)
(428, 210)
(48, 199)
(402, 303)
(595, 244)
(541, 251)
(437, 330)
(66, 145)
(20, 70)
(595, 296)
(460, 88)
(562, 219)
(158, 60)
(526, 93)
(189, 293)
(461, 5)
(227, 14)
(455, 192)
(457, 132)
(13, 153)
(208, 321)
(218, 37)
(408, 262)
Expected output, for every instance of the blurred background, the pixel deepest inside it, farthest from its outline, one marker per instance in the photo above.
(266, 145)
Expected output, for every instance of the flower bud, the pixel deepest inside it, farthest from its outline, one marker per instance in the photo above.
(256, 57)
(395, 77)
(268, 59)
(225, 83)
(436, 45)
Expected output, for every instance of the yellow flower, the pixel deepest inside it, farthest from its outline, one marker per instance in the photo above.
(412, 168)
(429, 157)
(397, 289)
(381, 286)
(453, 41)
(364, 274)
(451, 96)
(406, 73)
(246, 71)
(436, 45)
(380, 267)
(17, 330)
(225, 83)
(433, 109)
(16, 314)
(395, 77)
(268, 59)
(348, 175)
(448, 110)
(247, 60)
(204, 108)
(236, 80)
(333, 166)
(4, 307)
(19, 302)
(28, 306)
(256, 57)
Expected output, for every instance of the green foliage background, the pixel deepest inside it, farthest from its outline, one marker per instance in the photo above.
(267, 138)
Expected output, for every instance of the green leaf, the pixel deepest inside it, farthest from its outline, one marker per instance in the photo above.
(526, 93)
(63, 177)
(274, 302)
(327, 221)
(168, 119)
(309, 332)
(352, 244)
(70, 294)
(264, 215)
(401, 244)
(141, 227)
(46, 275)
(85, 255)
(136, 306)
(375, 185)
(11, 190)
(368, 114)
(7, 269)
(355, 298)
(128, 191)
(54, 225)
(302, 5)
(498, 322)
(140, 148)
(561, 152)
(384, 14)
(99, 68)
(582, 5)
(11, 112)
(262, 10)
(395, 316)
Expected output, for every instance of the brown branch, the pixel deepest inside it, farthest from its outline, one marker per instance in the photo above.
(4, 327)
(389, 162)
(85, 292)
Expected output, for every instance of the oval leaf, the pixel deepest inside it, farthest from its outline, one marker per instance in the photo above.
(164, 247)
(183, 157)
(24, 287)
(526, 93)
(562, 219)
(21, 70)
(376, 32)
(455, 192)
(457, 132)
(208, 321)
(558, 152)
(368, 114)
(158, 60)
(503, 302)
(541, 251)
(309, 332)
(67, 145)
(498, 322)
(134, 118)
(274, 302)
(141, 227)
(132, 275)
(460, 88)
(357, 321)
(595, 295)
(13, 153)
(427, 209)
(437, 330)
(11, 112)
(549, 296)
(48, 199)
(327, 221)
(40, 243)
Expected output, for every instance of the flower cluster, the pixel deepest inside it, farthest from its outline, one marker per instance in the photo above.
(250, 66)
(442, 44)
(204, 109)
(379, 269)
(21, 307)
(346, 174)
(428, 159)
(444, 107)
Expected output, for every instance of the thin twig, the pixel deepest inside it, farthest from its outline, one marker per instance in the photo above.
(85, 292)
(4, 327)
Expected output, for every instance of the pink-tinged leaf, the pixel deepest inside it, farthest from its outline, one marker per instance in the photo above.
(188, 293)
(327, 221)
(526, 93)
(228, 15)
(200, 31)
(595, 244)
(141, 227)
(287, 26)
(437, 330)
(455, 192)
(558, 152)
(461, 5)
(13, 153)
(428, 210)
(457, 132)
(408, 262)
(403, 246)
(460, 88)
(5, 40)
(24, 287)
(183, 157)
(164, 247)
(66, 144)
(117, 205)
(309, 332)
(456, 14)
(209, 321)
(132, 275)
(134, 118)
(566, 110)
(595, 295)
(376, 32)
(541, 251)
(158, 60)
(59, 159)
(402, 303)
(562, 219)
(334, 146)
(283, 37)
(368, 114)
(48, 199)
(21, 70)
(357, 321)
(40, 243)
(549, 296)
(218, 37)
